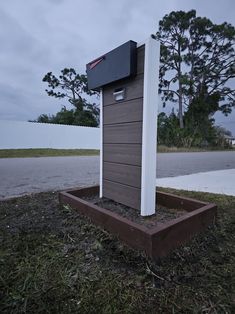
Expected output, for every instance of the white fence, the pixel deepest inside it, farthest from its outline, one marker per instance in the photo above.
(18, 134)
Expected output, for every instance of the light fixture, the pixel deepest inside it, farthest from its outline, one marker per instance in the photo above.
(119, 94)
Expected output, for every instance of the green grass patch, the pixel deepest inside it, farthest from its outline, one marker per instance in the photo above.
(53, 260)
(173, 149)
(46, 152)
(49, 152)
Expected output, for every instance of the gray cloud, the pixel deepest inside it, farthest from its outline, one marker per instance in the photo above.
(46, 35)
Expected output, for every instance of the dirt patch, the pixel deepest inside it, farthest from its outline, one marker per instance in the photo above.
(163, 214)
(34, 213)
(52, 260)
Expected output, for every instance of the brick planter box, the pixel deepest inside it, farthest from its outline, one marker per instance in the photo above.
(155, 241)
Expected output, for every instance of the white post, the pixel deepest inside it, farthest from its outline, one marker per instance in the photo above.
(101, 143)
(149, 131)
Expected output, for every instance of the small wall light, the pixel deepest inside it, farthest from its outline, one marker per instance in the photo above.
(119, 94)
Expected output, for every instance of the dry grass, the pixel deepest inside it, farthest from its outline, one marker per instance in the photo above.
(54, 261)
(173, 149)
(46, 152)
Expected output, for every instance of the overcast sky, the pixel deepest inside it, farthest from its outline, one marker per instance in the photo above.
(37, 36)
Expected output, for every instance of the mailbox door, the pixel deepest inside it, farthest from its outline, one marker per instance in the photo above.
(117, 64)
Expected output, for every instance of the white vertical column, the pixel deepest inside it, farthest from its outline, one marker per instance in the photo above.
(149, 130)
(101, 143)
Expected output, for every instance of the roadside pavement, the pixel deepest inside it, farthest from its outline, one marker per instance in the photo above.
(219, 182)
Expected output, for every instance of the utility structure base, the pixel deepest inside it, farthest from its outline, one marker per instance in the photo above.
(156, 241)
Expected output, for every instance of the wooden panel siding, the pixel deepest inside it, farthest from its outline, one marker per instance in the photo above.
(121, 173)
(124, 194)
(122, 139)
(128, 133)
(133, 89)
(122, 153)
(120, 112)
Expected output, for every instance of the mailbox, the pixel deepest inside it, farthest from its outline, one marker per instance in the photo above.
(115, 65)
(127, 78)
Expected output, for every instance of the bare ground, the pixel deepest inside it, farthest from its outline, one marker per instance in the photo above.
(162, 215)
(54, 261)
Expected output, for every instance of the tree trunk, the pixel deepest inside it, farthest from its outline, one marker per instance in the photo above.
(180, 89)
(181, 107)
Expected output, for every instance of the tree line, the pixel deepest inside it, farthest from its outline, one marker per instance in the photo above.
(73, 87)
(197, 70)
(197, 66)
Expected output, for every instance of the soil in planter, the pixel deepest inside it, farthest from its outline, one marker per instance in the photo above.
(163, 214)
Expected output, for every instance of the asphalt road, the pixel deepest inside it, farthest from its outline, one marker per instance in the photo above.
(19, 176)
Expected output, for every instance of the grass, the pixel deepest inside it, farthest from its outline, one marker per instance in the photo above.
(173, 149)
(46, 152)
(54, 261)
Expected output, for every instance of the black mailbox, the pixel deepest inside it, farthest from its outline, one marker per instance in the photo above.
(117, 64)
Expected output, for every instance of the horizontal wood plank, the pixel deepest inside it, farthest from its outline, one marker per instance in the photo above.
(133, 89)
(125, 174)
(125, 133)
(122, 153)
(123, 112)
(123, 194)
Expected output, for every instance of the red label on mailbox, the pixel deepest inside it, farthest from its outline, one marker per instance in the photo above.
(95, 62)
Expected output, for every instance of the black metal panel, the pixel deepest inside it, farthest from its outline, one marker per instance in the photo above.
(117, 64)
